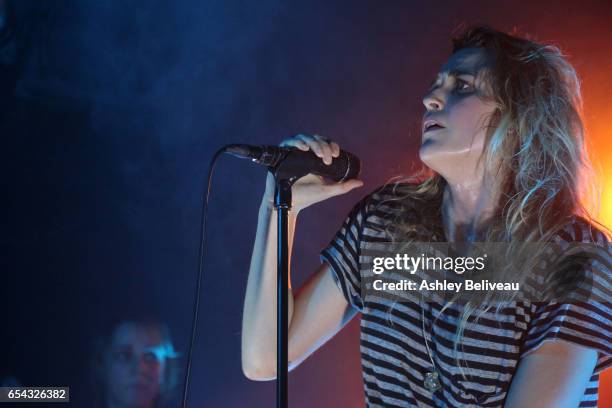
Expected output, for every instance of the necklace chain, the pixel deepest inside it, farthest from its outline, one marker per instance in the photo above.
(432, 380)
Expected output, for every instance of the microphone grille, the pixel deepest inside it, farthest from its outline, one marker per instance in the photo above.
(353, 168)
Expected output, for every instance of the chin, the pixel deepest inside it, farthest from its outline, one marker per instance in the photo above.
(427, 152)
(436, 159)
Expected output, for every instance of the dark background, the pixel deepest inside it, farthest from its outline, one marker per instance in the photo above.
(111, 111)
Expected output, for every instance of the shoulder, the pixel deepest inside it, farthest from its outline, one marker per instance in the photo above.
(582, 230)
(400, 208)
(585, 238)
(374, 198)
(399, 197)
(584, 254)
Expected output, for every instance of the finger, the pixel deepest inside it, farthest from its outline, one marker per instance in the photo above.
(312, 143)
(301, 145)
(342, 188)
(295, 143)
(323, 138)
(353, 183)
(335, 149)
(327, 151)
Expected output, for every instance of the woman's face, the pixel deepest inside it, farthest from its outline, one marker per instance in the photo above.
(135, 365)
(458, 107)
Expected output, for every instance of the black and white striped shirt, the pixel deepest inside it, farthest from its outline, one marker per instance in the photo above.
(394, 357)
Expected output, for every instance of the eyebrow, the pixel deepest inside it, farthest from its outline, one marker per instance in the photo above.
(453, 72)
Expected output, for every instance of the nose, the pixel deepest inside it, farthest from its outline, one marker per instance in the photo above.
(140, 366)
(433, 102)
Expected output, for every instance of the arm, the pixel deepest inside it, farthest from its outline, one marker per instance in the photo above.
(555, 375)
(259, 314)
(317, 311)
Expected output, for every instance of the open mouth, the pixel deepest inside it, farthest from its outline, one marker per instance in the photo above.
(431, 126)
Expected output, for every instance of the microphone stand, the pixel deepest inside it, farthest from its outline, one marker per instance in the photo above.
(282, 202)
(284, 175)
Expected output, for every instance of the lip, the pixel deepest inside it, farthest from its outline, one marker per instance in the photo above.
(428, 123)
(139, 386)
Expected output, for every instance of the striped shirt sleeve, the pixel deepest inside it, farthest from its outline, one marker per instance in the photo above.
(587, 324)
(342, 254)
(587, 321)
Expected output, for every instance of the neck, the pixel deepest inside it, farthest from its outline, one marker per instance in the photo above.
(466, 207)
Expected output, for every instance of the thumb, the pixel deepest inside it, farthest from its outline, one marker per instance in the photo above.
(342, 188)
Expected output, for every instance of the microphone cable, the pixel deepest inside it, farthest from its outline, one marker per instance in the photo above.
(201, 257)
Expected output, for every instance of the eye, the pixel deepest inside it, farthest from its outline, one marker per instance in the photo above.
(122, 356)
(463, 86)
(150, 358)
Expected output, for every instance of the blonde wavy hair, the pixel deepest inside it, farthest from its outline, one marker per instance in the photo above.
(535, 141)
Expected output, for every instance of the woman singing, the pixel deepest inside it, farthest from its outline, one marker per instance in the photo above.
(502, 139)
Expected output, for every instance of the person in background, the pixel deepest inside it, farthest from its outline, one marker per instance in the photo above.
(135, 366)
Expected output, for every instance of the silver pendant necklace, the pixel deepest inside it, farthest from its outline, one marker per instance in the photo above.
(432, 378)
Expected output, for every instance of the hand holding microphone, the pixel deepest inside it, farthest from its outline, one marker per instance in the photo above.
(311, 188)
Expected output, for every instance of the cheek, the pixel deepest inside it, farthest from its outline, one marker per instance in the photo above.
(468, 119)
(156, 372)
(118, 378)
(118, 374)
(153, 373)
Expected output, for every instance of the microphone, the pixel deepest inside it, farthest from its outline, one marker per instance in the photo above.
(293, 163)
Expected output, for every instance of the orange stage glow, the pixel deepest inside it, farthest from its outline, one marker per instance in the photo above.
(598, 118)
(601, 155)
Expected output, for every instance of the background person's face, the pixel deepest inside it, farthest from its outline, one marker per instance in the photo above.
(460, 103)
(134, 367)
